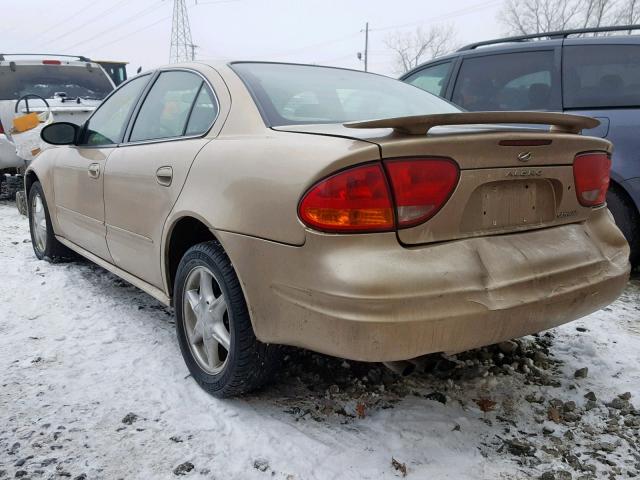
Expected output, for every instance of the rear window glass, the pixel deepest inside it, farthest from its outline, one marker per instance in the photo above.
(508, 81)
(47, 80)
(601, 76)
(303, 94)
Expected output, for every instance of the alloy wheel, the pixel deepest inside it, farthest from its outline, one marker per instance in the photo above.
(39, 223)
(206, 320)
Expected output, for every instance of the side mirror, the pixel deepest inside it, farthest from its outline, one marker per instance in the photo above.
(60, 133)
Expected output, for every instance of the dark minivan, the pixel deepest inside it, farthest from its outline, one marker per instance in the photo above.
(597, 76)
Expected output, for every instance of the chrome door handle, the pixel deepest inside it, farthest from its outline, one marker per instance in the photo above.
(164, 176)
(94, 170)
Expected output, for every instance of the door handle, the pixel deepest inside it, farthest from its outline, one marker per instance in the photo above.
(94, 170)
(164, 176)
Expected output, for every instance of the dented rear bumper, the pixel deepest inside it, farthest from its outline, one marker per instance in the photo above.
(366, 297)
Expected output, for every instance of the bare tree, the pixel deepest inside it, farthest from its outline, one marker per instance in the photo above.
(412, 48)
(522, 17)
(628, 12)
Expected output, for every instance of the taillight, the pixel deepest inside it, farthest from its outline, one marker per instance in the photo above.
(1, 129)
(51, 62)
(359, 199)
(421, 186)
(354, 200)
(591, 175)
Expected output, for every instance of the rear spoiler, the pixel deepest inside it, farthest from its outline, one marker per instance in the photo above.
(421, 124)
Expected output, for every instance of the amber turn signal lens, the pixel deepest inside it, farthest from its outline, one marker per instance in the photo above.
(354, 200)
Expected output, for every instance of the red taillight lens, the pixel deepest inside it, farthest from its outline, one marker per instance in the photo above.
(591, 174)
(421, 187)
(1, 129)
(51, 62)
(354, 200)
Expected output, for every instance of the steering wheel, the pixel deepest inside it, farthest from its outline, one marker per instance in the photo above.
(26, 101)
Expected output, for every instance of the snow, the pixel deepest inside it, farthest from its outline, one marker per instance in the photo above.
(80, 349)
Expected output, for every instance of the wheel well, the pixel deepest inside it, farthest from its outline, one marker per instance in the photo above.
(613, 185)
(186, 233)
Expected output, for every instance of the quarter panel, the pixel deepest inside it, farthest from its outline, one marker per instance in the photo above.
(252, 184)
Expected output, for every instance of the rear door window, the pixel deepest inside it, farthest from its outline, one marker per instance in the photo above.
(204, 112)
(166, 109)
(596, 76)
(508, 81)
(431, 79)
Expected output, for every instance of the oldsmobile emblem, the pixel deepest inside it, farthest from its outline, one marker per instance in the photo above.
(525, 156)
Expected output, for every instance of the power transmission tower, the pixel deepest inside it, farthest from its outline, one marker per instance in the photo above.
(182, 47)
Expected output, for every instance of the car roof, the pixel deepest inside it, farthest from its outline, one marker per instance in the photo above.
(531, 42)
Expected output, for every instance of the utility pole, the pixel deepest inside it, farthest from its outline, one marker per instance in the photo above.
(182, 46)
(366, 47)
(193, 51)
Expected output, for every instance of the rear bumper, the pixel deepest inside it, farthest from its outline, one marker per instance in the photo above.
(365, 297)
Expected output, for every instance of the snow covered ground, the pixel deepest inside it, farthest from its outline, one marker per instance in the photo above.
(92, 385)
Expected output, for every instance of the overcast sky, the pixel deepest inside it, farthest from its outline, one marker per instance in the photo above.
(311, 31)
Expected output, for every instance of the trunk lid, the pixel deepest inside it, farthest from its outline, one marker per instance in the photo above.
(511, 178)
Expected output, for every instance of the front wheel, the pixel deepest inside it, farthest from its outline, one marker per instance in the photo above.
(214, 328)
(45, 244)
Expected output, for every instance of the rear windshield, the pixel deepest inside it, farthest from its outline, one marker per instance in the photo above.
(601, 76)
(301, 94)
(47, 80)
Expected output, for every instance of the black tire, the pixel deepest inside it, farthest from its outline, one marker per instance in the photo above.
(249, 364)
(53, 251)
(626, 217)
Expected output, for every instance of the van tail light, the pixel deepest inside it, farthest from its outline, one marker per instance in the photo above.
(421, 187)
(51, 62)
(591, 176)
(1, 129)
(354, 200)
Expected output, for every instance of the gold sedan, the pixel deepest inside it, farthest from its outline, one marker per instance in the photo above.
(344, 212)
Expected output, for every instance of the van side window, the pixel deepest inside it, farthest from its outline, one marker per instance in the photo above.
(601, 76)
(508, 81)
(432, 78)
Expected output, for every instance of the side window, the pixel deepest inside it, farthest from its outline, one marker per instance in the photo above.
(204, 112)
(601, 76)
(431, 78)
(508, 81)
(165, 111)
(106, 126)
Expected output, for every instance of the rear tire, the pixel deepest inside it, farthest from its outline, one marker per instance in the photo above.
(44, 242)
(214, 328)
(628, 221)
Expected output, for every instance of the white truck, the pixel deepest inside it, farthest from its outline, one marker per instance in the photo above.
(58, 87)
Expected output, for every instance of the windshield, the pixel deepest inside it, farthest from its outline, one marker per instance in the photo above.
(47, 80)
(304, 94)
